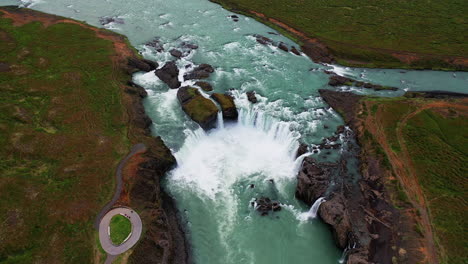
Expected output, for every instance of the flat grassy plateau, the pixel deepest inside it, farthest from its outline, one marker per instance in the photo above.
(366, 33)
(62, 132)
(429, 137)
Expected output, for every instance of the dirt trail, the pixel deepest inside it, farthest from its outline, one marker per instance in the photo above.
(404, 170)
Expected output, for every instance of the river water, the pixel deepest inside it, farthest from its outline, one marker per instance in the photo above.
(220, 173)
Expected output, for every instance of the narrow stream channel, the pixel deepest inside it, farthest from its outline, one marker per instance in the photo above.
(220, 173)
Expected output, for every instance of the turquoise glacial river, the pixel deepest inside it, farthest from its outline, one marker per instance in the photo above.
(216, 170)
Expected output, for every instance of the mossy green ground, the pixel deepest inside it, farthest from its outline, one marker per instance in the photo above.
(437, 145)
(199, 108)
(120, 228)
(62, 132)
(350, 28)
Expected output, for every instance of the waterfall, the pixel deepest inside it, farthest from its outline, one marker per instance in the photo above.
(220, 120)
(312, 213)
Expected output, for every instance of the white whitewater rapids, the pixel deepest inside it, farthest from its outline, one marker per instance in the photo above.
(256, 147)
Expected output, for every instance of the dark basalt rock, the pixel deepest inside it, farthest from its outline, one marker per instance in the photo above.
(265, 205)
(251, 97)
(334, 213)
(234, 18)
(313, 180)
(141, 65)
(340, 129)
(207, 87)
(198, 108)
(303, 148)
(107, 20)
(336, 80)
(169, 74)
(283, 47)
(188, 45)
(156, 44)
(201, 72)
(134, 88)
(263, 40)
(176, 53)
(317, 52)
(227, 105)
(295, 51)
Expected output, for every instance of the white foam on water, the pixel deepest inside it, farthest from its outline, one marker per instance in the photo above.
(149, 80)
(212, 163)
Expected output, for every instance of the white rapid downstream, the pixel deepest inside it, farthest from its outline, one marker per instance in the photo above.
(217, 170)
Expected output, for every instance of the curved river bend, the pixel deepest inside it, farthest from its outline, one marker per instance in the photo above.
(216, 171)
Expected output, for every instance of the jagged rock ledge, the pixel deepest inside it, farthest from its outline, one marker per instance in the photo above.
(360, 213)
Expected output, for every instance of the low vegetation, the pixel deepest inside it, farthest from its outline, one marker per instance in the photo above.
(120, 229)
(62, 132)
(432, 133)
(367, 33)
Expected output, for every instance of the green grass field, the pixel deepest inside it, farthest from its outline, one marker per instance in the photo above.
(350, 28)
(120, 228)
(437, 145)
(62, 132)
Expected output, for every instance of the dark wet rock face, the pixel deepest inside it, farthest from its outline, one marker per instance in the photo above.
(303, 148)
(227, 105)
(263, 40)
(251, 97)
(136, 89)
(334, 213)
(169, 74)
(336, 80)
(234, 18)
(201, 72)
(283, 47)
(265, 205)
(198, 108)
(313, 180)
(141, 65)
(188, 45)
(107, 20)
(176, 53)
(156, 44)
(207, 87)
(295, 51)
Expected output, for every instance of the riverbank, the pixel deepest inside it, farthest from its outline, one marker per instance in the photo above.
(412, 157)
(335, 32)
(69, 115)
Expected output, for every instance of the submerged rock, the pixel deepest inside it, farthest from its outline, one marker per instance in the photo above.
(201, 72)
(156, 44)
(169, 74)
(336, 80)
(263, 40)
(207, 87)
(251, 97)
(188, 45)
(107, 20)
(265, 205)
(227, 105)
(198, 108)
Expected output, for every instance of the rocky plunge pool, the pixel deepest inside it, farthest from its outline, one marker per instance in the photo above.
(222, 172)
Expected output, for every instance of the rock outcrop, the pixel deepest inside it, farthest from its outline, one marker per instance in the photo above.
(251, 97)
(136, 64)
(228, 107)
(206, 86)
(336, 80)
(201, 72)
(334, 213)
(265, 205)
(169, 74)
(313, 180)
(198, 108)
